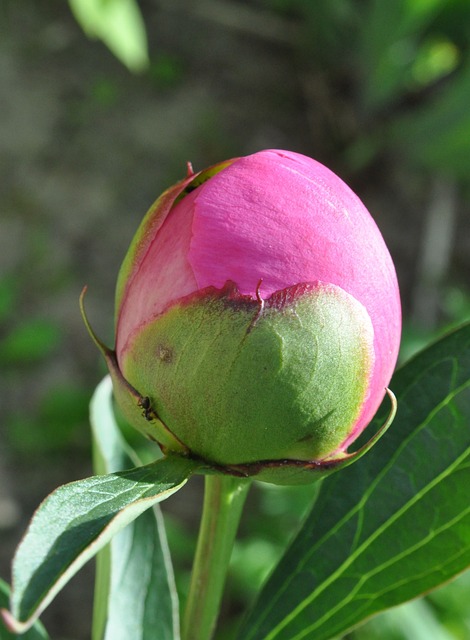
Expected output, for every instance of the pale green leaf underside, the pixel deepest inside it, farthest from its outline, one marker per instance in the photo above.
(76, 521)
(139, 599)
(390, 527)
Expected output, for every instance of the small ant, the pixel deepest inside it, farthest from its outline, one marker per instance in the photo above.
(147, 411)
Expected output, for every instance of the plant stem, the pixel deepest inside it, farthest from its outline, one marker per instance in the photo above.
(103, 564)
(224, 497)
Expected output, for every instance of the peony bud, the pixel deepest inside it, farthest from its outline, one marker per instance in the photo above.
(257, 318)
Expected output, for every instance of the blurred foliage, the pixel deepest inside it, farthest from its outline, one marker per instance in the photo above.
(59, 422)
(29, 342)
(8, 295)
(456, 309)
(165, 70)
(53, 420)
(119, 24)
(443, 615)
(403, 66)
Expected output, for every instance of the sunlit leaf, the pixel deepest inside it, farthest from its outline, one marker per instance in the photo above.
(76, 521)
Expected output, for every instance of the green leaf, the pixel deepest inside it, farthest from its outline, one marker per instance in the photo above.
(76, 521)
(390, 527)
(37, 631)
(136, 596)
(119, 24)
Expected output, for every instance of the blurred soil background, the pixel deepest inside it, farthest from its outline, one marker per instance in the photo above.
(377, 90)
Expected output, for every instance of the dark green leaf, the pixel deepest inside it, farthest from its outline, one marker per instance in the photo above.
(390, 527)
(136, 596)
(76, 521)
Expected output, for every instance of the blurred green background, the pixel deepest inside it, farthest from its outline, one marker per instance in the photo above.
(102, 103)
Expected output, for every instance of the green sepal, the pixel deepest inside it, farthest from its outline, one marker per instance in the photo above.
(298, 472)
(135, 407)
(239, 380)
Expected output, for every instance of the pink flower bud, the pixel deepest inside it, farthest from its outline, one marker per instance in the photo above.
(258, 314)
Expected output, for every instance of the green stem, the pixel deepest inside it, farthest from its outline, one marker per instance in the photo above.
(224, 497)
(103, 565)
